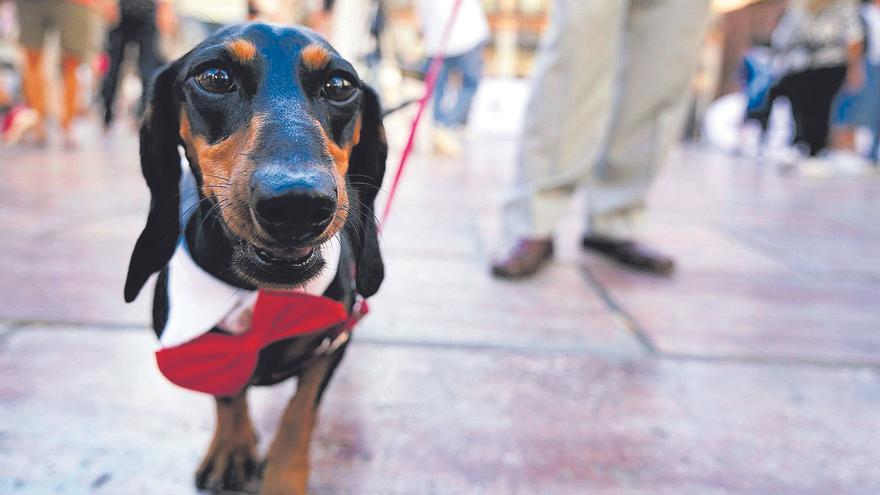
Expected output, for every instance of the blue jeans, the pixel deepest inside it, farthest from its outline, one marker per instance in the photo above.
(871, 108)
(469, 66)
(862, 108)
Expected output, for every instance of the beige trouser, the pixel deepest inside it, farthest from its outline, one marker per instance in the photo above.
(607, 100)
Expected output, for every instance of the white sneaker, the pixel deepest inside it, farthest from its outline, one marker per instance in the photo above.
(788, 157)
(816, 167)
(749, 140)
(846, 162)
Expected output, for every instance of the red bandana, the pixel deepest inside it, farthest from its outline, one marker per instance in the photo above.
(221, 364)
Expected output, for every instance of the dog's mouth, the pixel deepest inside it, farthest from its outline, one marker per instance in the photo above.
(278, 268)
(295, 257)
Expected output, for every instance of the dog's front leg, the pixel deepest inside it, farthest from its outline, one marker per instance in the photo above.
(287, 464)
(231, 459)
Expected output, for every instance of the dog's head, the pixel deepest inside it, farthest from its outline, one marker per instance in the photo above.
(285, 142)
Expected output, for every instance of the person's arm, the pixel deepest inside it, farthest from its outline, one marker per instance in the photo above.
(780, 38)
(166, 20)
(855, 67)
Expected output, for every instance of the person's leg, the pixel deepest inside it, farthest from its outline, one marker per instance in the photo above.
(76, 25)
(874, 152)
(69, 64)
(844, 137)
(796, 87)
(845, 113)
(349, 28)
(819, 111)
(149, 59)
(33, 25)
(470, 66)
(34, 89)
(443, 139)
(662, 45)
(873, 111)
(825, 85)
(870, 111)
(116, 52)
(567, 114)
(566, 122)
(441, 114)
(773, 92)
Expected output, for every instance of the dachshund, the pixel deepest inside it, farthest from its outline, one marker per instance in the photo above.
(273, 205)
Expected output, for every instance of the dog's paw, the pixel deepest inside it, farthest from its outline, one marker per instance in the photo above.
(230, 465)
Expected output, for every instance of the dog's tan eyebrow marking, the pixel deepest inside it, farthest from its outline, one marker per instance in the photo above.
(315, 57)
(242, 50)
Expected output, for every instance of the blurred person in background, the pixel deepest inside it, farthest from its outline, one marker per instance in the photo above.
(137, 26)
(819, 48)
(77, 22)
(319, 18)
(861, 107)
(15, 118)
(607, 99)
(198, 19)
(758, 78)
(462, 65)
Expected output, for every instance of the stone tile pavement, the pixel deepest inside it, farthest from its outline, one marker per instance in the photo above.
(755, 370)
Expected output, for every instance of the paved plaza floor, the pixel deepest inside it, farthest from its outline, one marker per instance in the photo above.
(754, 370)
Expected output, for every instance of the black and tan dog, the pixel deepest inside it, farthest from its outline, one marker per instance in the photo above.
(288, 152)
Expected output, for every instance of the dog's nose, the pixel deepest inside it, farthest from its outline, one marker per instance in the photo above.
(293, 206)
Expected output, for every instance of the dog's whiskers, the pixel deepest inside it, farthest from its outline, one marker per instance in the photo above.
(224, 179)
(210, 213)
(194, 205)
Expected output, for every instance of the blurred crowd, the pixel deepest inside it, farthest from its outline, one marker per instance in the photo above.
(60, 57)
(63, 59)
(609, 91)
(87, 42)
(822, 59)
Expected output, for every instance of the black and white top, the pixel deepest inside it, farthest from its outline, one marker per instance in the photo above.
(806, 40)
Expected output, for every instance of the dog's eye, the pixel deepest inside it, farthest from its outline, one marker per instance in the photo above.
(338, 88)
(215, 80)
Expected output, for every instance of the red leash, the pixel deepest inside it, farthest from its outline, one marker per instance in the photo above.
(430, 82)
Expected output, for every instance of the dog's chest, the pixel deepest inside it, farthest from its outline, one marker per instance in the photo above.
(198, 302)
(243, 338)
(217, 338)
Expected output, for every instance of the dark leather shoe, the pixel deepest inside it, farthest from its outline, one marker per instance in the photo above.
(525, 258)
(631, 254)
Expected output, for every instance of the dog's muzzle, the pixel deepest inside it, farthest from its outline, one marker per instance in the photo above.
(293, 206)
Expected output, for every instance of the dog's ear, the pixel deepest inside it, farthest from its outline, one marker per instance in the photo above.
(160, 164)
(366, 170)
